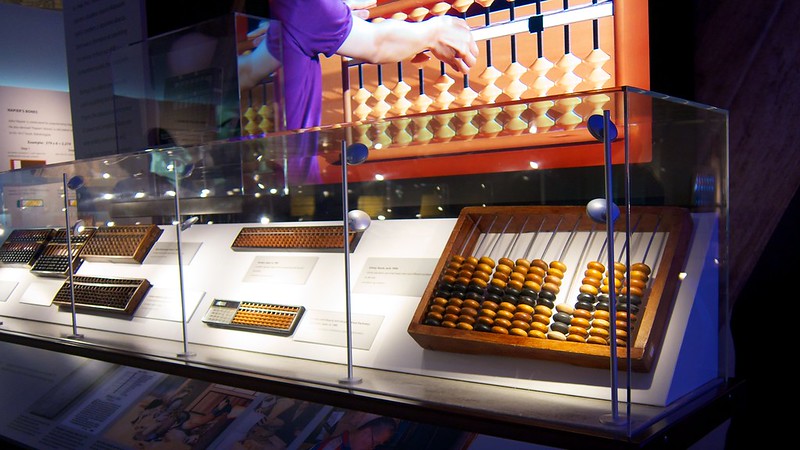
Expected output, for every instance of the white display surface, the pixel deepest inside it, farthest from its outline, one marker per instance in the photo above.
(397, 249)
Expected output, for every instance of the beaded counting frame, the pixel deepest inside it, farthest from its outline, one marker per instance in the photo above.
(435, 111)
(312, 238)
(117, 295)
(673, 224)
(53, 261)
(23, 246)
(125, 243)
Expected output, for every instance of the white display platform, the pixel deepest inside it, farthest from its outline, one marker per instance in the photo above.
(388, 273)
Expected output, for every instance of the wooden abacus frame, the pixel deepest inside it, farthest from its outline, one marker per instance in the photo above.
(652, 319)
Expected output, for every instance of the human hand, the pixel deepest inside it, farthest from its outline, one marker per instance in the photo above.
(453, 43)
(359, 7)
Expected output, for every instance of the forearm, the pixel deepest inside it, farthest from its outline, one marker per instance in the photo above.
(395, 40)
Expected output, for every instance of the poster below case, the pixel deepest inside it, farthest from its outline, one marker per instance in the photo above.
(254, 316)
(547, 296)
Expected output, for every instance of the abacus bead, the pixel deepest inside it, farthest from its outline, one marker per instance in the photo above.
(455, 301)
(478, 282)
(464, 273)
(508, 298)
(471, 260)
(583, 314)
(486, 260)
(507, 306)
(637, 284)
(628, 307)
(514, 284)
(565, 308)
(522, 262)
(588, 289)
(556, 336)
(562, 317)
(591, 273)
(596, 340)
(599, 332)
(483, 267)
(432, 322)
(460, 288)
(540, 263)
(482, 327)
(545, 302)
(440, 301)
(537, 334)
(622, 324)
(561, 327)
(492, 297)
(435, 316)
(603, 306)
(499, 330)
(495, 289)
(538, 326)
(602, 314)
(466, 319)
(621, 343)
(510, 290)
(522, 325)
(525, 308)
(541, 309)
(532, 286)
(505, 323)
(551, 288)
(622, 334)
(634, 291)
(595, 265)
(472, 312)
(500, 276)
(523, 316)
(641, 267)
(591, 282)
(476, 293)
(471, 303)
(619, 267)
(448, 324)
(480, 276)
(505, 262)
(446, 284)
(556, 272)
(457, 259)
(490, 305)
(525, 300)
(636, 275)
(575, 338)
(516, 276)
(558, 265)
(579, 322)
(586, 306)
(486, 320)
(522, 270)
(499, 283)
(541, 318)
(579, 331)
(503, 314)
(600, 323)
(518, 332)
(450, 317)
(439, 309)
(633, 299)
(552, 279)
(538, 271)
(534, 278)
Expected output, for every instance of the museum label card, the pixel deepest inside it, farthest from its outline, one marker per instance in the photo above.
(395, 276)
(6, 288)
(330, 328)
(167, 253)
(283, 269)
(165, 304)
(41, 292)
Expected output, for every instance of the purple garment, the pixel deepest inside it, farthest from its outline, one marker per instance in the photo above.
(309, 28)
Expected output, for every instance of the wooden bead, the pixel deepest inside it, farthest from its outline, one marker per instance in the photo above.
(550, 287)
(470, 303)
(541, 318)
(455, 301)
(486, 260)
(556, 336)
(537, 270)
(457, 259)
(450, 317)
(448, 324)
(471, 260)
(537, 334)
(556, 272)
(624, 315)
(636, 275)
(499, 283)
(640, 267)
(541, 309)
(480, 276)
(435, 316)
(621, 324)
(441, 301)
(588, 289)
(523, 316)
(558, 265)
(504, 314)
(482, 327)
(505, 262)
(522, 270)
(621, 343)
(522, 325)
(469, 266)
(465, 319)
(534, 282)
(522, 262)
(472, 312)
(516, 276)
(518, 332)
(479, 283)
(486, 320)
(602, 314)
(583, 314)
(565, 308)
(501, 268)
(591, 273)
(451, 309)
(508, 306)
(633, 291)
(597, 266)
(622, 334)
(579, 331)
(600, 323)
(539, 326)
(464, 281)
(596, 340)
(515, 284)
(619, 267)
(485, 268)
(437, 309)
(579, 322)
(575, 338)
(591, 282)
(500, 322)
(561, 327)
(542, 264)
(449, 279)
(599, 332)
(553, 279)
(499, 330)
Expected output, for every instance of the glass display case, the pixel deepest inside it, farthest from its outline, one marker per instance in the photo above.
(399, 262)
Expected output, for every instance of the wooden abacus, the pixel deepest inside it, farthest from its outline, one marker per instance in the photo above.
(673, 227)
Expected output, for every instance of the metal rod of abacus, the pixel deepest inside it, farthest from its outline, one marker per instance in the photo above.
(350, 379)
(70, 268)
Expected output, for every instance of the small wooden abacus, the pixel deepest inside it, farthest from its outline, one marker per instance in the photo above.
(127, 243)
(313, 238)
(115, 295)
(54, 260)
(23, 246)
(473, 228)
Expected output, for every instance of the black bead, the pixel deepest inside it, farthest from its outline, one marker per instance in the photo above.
(528, 292)
(584, 305)
(562, 317)
(627, 307)
(510, 299)
(560, 327)
(634, 299)
(512, 291)
(545, 302)
(494, 298)
(457, 294)
(475, 288)
(481, 327)
(588, 298)
(547, 295)
(474, 295)
(494, 289)
(432, 322)
(460, 287)
(444, 286)
(525, 300)
(604, 306)
(603, 298)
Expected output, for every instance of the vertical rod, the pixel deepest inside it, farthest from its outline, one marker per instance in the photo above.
(178, 230)
(612, 295)
(347, 304)
(70, 268)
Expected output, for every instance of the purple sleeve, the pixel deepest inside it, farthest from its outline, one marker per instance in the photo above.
(314, 26)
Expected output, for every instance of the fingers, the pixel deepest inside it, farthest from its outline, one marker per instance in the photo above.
(361, 13)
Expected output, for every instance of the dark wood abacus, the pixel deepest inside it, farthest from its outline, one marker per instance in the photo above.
(314, 238)
(125, 244)
(115, 295)
(23, 246)
(54, 259)
(654, 313)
